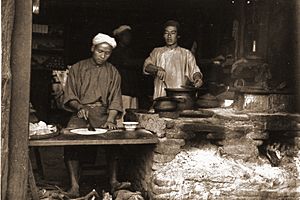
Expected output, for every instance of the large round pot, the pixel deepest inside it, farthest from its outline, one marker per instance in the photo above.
(186, 97)
(207, 101)
(165, 104)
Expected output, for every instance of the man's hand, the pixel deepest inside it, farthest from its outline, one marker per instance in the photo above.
(161, 73)
(83, 113)
(110, 125)
(198, 83)
(197, 79)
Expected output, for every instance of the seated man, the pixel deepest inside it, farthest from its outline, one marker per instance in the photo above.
(93, 93)
(172, 65)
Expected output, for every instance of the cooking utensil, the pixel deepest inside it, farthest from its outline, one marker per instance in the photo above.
(199, 90)
(44, 136)
(186, 96)
(207, 101)
(90, 126)
(165, 84)
(165, 104)
(188, 87)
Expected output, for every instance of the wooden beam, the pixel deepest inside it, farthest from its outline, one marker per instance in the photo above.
(19, 118)
(297, 54)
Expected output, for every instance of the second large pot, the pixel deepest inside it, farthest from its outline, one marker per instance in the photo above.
(165, 104)
(187, 97)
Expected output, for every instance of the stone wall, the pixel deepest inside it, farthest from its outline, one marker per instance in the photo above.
(137, 167)
(216, 155)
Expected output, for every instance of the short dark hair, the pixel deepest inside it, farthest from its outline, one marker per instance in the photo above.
(172, 23)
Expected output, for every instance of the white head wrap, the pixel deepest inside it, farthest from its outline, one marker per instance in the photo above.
(101, 38)
(121, 29)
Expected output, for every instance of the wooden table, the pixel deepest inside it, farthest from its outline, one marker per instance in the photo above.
(113, 137)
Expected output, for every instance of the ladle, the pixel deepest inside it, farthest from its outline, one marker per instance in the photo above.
(165, 84)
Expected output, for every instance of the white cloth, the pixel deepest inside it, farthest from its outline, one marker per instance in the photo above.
(120, 29)
(101, 38)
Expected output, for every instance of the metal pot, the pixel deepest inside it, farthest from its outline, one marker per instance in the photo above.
(207, 101)
(186, 97)
(165, 104)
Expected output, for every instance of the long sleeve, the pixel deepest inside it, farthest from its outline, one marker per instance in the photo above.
(191, 66)
(152, 59)
(115, 96)
(71, 88)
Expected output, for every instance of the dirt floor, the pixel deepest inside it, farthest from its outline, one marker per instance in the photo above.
(53, 172)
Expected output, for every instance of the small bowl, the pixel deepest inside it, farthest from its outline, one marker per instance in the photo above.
(130, 126)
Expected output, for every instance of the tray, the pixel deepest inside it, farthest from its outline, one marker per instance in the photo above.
(45, 136)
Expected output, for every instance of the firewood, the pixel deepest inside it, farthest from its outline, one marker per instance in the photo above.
(90, 196)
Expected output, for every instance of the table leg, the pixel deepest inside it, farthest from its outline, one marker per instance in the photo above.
(32, 184)
(38, 161)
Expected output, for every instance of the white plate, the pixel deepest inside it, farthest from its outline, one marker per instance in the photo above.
(85, 131)
(130, 123)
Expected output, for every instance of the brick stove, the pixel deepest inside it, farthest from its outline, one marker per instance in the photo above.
(219, 153)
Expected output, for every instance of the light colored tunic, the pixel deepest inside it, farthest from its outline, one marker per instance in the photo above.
(179, 64)
(89, 83)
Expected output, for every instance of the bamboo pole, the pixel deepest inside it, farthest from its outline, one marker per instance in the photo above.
(19, 117)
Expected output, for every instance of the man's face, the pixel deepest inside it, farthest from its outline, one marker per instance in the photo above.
(170, 35)
(101, 52)
(125, 37)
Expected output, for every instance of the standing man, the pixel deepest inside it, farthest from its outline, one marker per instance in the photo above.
(171, 63)
(129, 67)
(92, 91)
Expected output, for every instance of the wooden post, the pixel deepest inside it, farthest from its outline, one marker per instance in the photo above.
(297, 54)
(19, 118)
(7, 15)
(242, 23)
(264, 13)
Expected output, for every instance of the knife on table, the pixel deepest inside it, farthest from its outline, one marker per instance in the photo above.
(90, 126)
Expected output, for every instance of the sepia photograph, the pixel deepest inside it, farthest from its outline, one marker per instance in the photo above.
(150, 100)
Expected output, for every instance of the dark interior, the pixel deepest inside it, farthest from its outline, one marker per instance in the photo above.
(208, 23)
(75, 23)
